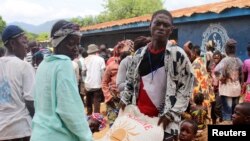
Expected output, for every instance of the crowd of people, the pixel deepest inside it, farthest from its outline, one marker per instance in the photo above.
(56, 95)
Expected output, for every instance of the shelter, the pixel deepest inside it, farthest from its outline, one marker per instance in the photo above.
(216, 21)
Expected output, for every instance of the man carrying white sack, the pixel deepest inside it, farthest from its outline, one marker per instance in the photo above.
(160, 79)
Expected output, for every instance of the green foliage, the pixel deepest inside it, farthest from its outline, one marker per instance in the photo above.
(121, 9)
(31, 36)
(87, 20)
(77, 21)
(103, 17)
(44, 36)
(2, 26)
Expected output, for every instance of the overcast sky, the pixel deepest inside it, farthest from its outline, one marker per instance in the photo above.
(39, 11)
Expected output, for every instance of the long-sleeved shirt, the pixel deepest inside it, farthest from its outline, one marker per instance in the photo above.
(59, 112)
(109, 87)
(121, 74)
(179, 86)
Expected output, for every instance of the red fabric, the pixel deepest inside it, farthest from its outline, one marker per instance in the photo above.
(109, 80)
(144, 103)
(111, 59)
(151, 50)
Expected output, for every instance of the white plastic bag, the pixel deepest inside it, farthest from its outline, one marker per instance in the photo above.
(131, 125)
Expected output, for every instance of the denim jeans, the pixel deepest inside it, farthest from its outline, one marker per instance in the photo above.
(228, 105)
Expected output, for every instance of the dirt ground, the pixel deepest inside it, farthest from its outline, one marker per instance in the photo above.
(100, 134)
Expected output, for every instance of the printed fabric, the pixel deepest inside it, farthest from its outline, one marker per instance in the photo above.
(199, 116)
(247, 93)
(229, 69)
(17, 78)
(202, 81)
(179, 86)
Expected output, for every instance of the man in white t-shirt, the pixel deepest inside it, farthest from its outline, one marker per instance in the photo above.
(93, 68)
(17, 78)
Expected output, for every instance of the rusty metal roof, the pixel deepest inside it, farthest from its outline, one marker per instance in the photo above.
(213, 7)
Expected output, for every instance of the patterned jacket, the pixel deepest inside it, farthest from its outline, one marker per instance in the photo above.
(179, 84)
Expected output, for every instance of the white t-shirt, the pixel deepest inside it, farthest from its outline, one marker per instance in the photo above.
(17, 78)
(76, 70)
(94, 65)
(81, 59)
(28, 57)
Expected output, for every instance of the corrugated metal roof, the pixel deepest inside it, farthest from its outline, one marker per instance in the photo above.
(117, 23)
(213, 7)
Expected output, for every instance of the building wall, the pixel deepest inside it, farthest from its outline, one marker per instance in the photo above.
(236, 28)
(112, 38)
(109, 39)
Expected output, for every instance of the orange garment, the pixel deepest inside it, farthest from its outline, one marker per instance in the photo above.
(202, 83)
(109, 87)
(110, 60)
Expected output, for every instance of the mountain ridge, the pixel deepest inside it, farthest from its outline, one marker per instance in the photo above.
(36, 29)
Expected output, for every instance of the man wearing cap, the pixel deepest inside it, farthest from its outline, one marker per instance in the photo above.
(93, 69)
(59, 110)
(17, 79)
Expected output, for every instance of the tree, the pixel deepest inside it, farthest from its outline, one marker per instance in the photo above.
(77, 20)
(87, 20)
(103, 17)
(44, 36)
(121, 9)
(2, 26)
(30, 36)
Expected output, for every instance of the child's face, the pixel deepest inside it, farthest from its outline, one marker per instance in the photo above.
(216, 59)
(94, 125)
(186, 132)
(238, 117)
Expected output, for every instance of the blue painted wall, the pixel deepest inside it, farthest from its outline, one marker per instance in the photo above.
(236, 22)
(237, 28)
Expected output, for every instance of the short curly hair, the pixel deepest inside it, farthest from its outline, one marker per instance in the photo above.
(162, 11)
(198, 98)
(193, 123)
